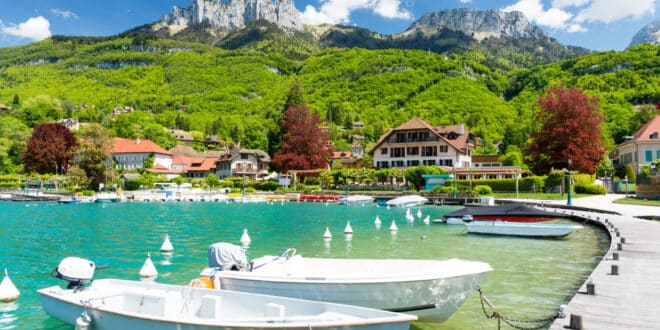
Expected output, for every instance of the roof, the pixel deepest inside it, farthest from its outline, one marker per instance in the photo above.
(137, 146)
(650, 132)
(160, 169)
(181, 135)
(202, 164)
(343, 155)
(261, 155)
(184, 150)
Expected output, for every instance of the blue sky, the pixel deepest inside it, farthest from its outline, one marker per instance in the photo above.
(593, 24)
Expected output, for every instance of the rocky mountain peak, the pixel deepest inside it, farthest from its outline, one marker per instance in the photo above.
(231, 15)
(650, 33)
(479, 24)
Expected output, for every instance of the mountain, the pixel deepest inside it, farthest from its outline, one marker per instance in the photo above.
(226, 16)
(650, 33)
(506, 39)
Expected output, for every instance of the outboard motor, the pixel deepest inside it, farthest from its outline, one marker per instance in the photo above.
(76, 271)
(226, 256)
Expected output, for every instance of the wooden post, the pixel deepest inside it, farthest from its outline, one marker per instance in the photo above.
(591, 288)
(576, 322)
(615, 270)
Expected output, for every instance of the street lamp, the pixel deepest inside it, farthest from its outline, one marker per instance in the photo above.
(569, 202)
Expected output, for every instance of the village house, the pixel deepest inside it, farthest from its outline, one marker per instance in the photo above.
(70, 124)
(346, 159)
(182, 136)
(417, 143)
(642, 148)
(131, 153)
(251, 163)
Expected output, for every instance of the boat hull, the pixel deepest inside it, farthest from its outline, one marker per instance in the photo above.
(432, 297)
(519, 229)
(181, 307)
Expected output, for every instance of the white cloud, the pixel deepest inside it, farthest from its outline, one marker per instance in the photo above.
(533, 9)
(464, 1)
(339, 11)
(66, 14)
(35, 28)
(608, 11)
(569, 3)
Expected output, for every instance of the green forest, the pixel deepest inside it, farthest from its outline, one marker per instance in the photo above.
(137, 86)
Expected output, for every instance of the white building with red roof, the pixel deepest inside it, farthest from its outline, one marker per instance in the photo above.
(130, 154)
(417, 143)
(642, 148)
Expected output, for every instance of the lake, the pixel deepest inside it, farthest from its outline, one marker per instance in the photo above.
(531, 277)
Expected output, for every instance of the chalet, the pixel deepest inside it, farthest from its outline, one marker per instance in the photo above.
(417, 143)
(70, 124)
(201, 167)
(130, 154)
(642, 148)
(346, 159)
(244, 162)
(182, 136)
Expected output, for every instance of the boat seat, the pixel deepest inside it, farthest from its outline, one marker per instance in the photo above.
(152, 303)
(210, 307)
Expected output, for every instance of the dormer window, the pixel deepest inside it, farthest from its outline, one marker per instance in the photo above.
(654, 136)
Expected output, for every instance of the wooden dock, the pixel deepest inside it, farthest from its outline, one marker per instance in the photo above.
(623, 291)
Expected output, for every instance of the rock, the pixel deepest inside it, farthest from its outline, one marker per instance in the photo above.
(650, 33)
(232, 15)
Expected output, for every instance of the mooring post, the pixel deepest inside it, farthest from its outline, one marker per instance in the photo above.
(619, 246)
(615, 256)
(623, 240)
(591, 288)
(615, 270)
(576, 322)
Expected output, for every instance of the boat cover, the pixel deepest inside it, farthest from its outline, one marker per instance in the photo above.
(511, 209)
(227, 256)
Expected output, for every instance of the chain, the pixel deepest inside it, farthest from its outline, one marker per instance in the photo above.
(494, 314)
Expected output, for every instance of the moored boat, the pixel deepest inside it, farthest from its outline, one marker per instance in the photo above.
(356, 200)
(520, 229)
(122, 304)
(512, 212)
(459, 220)
(431, 289)
(407, 201)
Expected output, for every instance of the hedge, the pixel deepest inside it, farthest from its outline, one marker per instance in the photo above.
(590, 188)
(502, 185)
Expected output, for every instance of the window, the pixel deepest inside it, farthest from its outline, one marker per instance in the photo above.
(657, 154)
(444, 148)
(244, 156)
(649, 155)
(412, 151)
(429, 162)
(430, 151)
(412, 163)
(398, 163)
(397, 152)
(383, 151)
(382, 164)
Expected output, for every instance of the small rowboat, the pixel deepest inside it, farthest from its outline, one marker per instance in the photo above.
(520, 229)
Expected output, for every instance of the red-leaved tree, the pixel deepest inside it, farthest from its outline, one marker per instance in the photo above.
(305, 145)
(569, 129)
(49, 149)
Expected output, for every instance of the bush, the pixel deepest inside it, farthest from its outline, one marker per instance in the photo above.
(132, 185)
(483, 190)
(532, 183)
(590, 188)
(265, 185)
(582, 179)
(553, 179)
(442, 190)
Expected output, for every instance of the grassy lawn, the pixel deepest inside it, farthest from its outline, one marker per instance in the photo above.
(537, 196)
(636, 201)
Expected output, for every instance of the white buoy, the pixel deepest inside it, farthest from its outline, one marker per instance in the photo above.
(348, 229)
(407, 212)
(410, 218)
(148, 269)
(8, 291)
(167, 245)
(393, 226)
(377, 222)
(245, 238)
(419, 213)
(427, 220)
(327, 234)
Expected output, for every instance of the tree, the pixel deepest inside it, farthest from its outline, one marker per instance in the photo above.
(49, 150)
(414, 175)
(295, 97)
(569, 129)
(212, 181)
(305, 145)
(95, 164)
(13, 138)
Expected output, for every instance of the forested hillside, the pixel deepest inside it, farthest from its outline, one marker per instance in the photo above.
(239, 94)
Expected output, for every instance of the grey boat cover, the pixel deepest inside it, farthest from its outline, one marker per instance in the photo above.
(510, 209)
(227, 256)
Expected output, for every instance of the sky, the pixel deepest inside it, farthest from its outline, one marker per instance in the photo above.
(593, 24)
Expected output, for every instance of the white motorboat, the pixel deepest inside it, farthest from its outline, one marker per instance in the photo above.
(431, 289)
(407, 201)
(532, 229)
(121, 304)
(356, 200)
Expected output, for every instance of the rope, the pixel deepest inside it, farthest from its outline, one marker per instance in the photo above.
(494, 314)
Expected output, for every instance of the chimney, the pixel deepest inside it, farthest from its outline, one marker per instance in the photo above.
(137, 141)
(461, 129)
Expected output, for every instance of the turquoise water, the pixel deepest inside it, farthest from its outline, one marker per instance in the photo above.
(531, 277)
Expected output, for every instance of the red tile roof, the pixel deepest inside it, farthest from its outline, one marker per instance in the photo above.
(126, 146)
(202, 164)
(645, 132)
(460, 143)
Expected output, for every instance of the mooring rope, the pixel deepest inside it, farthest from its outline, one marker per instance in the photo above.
(494, 314)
